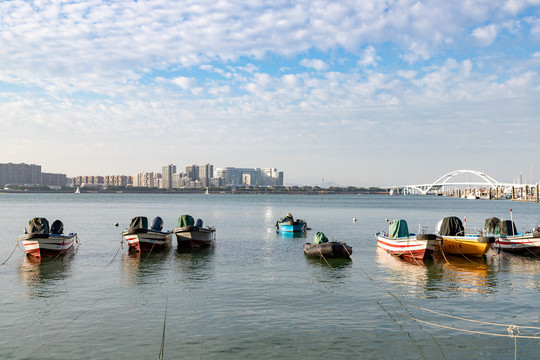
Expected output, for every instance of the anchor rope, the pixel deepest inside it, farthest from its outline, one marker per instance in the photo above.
(162, 345)
(147, 255)
(509, 329)
(204, 323)
(365, 273)
(55, 335)
(117, 251)
(16, 246)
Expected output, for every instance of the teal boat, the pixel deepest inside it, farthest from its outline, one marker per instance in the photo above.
(289, 225)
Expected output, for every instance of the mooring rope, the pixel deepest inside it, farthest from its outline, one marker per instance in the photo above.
(509, 329)
(162, 345)
(16, 246)
(147, 255)
(204, 323)
(365, 273)
(55, 335)
(117, 251)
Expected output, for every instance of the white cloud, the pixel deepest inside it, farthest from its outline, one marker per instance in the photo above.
(369, 57)
(98, 67)
(316, 64)
(485, 35)
(186, 83)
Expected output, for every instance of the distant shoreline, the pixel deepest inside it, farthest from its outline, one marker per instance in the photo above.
(202, 191)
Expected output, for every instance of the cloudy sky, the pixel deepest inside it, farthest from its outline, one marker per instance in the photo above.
(362, 93)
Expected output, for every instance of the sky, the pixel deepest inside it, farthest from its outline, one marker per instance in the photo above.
(358, 93)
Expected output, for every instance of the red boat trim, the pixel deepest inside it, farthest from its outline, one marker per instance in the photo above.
(399, 246)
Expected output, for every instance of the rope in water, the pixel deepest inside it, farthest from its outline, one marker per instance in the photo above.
(117, 251)
(509, 327)
(16, 246)
(162, 345)
(204, 323)
(367, 275)
(63, 328)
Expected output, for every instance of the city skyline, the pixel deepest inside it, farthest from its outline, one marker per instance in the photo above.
(358, 93)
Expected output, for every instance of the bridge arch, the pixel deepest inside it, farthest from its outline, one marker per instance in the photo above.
(443, 180)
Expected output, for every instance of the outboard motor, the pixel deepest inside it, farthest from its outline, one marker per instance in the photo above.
(157, 224)
(57, 227)
(199, 223)
(537, 227)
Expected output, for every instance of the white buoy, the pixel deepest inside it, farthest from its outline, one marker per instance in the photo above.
(354, 219)
(115, 224)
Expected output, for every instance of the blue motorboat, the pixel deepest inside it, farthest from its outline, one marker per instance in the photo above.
(289, 225)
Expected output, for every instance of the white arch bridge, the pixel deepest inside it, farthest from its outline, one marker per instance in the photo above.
(446, 182)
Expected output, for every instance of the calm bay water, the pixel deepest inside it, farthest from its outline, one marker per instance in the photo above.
(255, 295)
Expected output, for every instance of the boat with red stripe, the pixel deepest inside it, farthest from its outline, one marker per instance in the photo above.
(399, 242)
(509, 239)
(140, 238)
(39, 242)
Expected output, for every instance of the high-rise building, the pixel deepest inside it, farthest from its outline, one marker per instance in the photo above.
(145, 179)
(192, 172)
(206, 172)
(53, 179)
(20, 174)
(250, 176)
(167, 172)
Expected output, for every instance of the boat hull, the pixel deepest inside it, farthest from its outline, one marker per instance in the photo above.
(409, 247)
(51, 245)
(469, 246)
(148, 241)
(295, 227)
(194, 237)
(519, 244)
(328, 250)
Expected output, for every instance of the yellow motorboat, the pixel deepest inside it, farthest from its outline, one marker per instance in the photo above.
(455, 241)
(469, 245)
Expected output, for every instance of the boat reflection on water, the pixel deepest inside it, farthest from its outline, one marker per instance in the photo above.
(196, 263)
(41, 276)
(145, 268)
(291, 235)
(330, 269)
(467, 275)
(451, 274)
(413, 274)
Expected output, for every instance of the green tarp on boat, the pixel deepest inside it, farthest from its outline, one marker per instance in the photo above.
(320, 238)
(398, 228)
(185, 220)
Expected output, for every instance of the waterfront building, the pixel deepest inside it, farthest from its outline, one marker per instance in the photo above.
(206, 172)
(167, 172)
(216, 182)
(250, 176)
(146, 179)
(50, 179)
(192, 172)
(89, 180)
(117, 180)
(20, 174)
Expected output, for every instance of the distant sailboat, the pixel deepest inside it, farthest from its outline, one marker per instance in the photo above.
(206, 193)
(78, 191)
